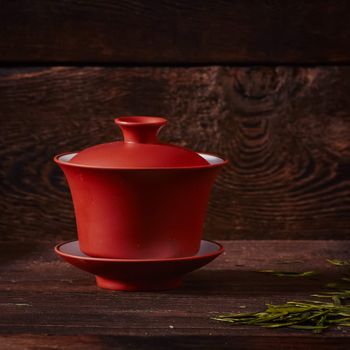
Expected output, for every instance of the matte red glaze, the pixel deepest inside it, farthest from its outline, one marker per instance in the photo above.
(134, 212)
(138, 275)
(140, 148)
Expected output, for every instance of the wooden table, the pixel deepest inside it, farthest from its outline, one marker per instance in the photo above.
(48, 304)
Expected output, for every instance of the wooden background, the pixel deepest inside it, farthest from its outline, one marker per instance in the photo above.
(265, 84)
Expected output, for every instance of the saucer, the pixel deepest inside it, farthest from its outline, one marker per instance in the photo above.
(139, 274)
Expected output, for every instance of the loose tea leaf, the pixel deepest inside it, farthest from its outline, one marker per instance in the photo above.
(289, 273)
(309, 315)
(312, 316)
(340, 294)
(289, 262)
(338, 262)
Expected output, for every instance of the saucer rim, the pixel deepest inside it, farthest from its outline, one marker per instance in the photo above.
(217, 252)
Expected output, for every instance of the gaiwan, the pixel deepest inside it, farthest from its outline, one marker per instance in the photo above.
(139, 198)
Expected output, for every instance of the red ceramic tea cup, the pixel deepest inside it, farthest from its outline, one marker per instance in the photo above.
(139, 199)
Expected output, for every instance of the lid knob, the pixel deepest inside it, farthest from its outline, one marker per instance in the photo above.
(140, 129)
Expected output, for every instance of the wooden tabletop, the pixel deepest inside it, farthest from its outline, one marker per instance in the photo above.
(48, 304)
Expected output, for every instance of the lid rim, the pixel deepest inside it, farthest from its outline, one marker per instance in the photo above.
(186, 167)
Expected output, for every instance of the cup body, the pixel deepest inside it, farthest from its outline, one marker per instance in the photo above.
(139, 213)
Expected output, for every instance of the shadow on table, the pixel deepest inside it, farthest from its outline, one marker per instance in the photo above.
(232, 342)
(240, 282)
(11, 251)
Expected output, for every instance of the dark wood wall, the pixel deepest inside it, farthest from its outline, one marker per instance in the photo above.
(265, 84)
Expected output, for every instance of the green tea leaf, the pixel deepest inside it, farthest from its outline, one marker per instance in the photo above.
(338, 262)
(289, 273)
(308, 327)
(311, 315)
(289, 262)
(332, 309)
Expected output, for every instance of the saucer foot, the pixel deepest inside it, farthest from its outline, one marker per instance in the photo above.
(114, 284)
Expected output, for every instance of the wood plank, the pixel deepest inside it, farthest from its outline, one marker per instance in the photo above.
(284, 130)
(46, 303)
(98, 342)
(175, 32)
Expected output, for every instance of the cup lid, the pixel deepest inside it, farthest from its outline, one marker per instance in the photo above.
(140, 148)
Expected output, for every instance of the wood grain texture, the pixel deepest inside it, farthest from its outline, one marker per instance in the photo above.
(46, 303)
(177, 32)
(284, 130)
